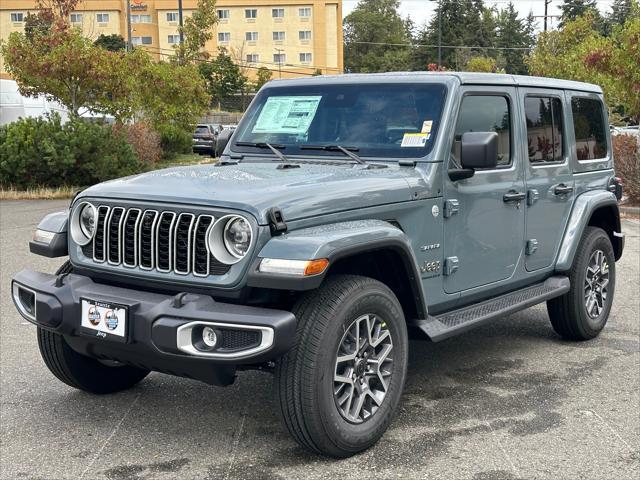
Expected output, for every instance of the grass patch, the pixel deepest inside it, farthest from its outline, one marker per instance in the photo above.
(48, 193)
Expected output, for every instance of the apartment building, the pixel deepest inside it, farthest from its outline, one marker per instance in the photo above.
(291, 38)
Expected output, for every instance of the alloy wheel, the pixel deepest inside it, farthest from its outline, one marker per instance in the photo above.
(595, 284)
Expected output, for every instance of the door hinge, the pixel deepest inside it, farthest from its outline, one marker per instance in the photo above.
(451, 207)
(532, 246)
(532, 196)
(450, 265)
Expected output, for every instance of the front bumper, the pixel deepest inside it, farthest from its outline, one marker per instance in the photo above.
(159, 335)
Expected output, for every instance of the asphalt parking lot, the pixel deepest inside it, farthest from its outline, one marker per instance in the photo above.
(508, 400)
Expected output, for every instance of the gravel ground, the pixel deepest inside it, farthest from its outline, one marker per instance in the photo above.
(508, 400)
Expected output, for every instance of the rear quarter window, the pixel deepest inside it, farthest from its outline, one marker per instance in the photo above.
(589, 128)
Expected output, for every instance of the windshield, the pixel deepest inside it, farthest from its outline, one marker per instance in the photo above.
(377, 120)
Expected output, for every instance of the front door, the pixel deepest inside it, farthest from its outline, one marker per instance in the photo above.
(548, 174)
(484, 214)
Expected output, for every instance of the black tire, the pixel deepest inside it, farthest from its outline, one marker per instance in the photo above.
(304, 379)
(568, 313)
(82, 372)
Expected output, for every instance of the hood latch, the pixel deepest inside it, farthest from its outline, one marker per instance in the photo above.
(276, 221)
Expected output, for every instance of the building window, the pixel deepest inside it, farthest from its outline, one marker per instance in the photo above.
(102, 17)
(544, 129)
(485, 113)
(140, 18)
(305, 57)
(76, 18)
(251, 13)
(17, 17)
(277, 12)
(173, 39)
(172, 17)
(304, 34)
(141, 40)
(304, 12)
(224, 37)
(279, 58)
(136, 40)
(278, 36)
(589, 128)
(252, 58)
(223, 14)
(251, 36)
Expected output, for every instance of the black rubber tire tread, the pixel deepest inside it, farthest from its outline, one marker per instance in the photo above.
(567, 312)
(82, 372)
(314, 314)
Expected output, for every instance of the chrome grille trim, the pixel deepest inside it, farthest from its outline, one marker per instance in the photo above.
(195, 244)
(176, 232)
(165, 241)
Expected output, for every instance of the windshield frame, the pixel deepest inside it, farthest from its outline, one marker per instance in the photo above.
(331, 155)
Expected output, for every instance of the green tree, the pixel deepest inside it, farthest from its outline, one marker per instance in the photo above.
(223, 77)
(113, 42)
(572, 9)
(37, 24)
(481, 64)
(376, 38)
(515, 36)
(196, 31)
(262, 77)
(621, 10)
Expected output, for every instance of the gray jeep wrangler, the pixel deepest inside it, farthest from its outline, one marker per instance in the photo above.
(343, 212)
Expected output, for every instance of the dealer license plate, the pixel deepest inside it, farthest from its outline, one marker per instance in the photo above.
(104, 319)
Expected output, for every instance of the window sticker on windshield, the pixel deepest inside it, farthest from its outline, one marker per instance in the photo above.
(287, 114)
(414, 139)
(426, 126)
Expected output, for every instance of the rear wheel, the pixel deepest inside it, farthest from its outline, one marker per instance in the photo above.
(582, 312)
(340, 385)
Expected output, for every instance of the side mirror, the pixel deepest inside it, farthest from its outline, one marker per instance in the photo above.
(223, 139)
(479, 150)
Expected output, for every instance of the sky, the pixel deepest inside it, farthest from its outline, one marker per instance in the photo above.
(421, 11)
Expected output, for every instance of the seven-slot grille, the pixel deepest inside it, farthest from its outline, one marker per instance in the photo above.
(164, 241)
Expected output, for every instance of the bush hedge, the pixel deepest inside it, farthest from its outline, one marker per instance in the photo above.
(174, 140)
(46, 152)
(626, 155)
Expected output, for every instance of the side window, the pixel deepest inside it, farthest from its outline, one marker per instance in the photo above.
(589, 128)
(485, 113)
(544, 129)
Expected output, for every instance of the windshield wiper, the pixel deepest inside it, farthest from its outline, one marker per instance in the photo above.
(273, 147)
(348, 151)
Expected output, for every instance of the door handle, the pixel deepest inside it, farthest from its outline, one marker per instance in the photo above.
(562, 189)
(513, 196)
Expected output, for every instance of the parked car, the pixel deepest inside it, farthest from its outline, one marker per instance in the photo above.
(204, 139)
(630, 130)
(343, 211)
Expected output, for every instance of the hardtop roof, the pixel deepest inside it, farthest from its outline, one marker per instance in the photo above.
(465, 78)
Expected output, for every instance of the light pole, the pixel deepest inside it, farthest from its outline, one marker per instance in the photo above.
(180, 21)
(279, 50)
(439, 31)
(129, 44)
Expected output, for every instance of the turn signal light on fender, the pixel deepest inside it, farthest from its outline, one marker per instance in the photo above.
(299, 268)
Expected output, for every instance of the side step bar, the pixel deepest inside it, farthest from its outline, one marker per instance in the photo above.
(458, 321)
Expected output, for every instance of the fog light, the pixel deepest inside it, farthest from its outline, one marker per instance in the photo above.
(209, 337)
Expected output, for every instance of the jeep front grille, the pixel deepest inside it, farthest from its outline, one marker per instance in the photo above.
(164, 241)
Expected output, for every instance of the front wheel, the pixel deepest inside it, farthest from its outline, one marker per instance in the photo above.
(582, 312)
(340, 385)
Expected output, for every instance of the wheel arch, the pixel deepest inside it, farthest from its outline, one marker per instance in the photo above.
(597, 209)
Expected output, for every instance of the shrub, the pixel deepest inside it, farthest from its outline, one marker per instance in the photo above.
(45, 152)
(626, 154)
(144, 140)
(174, 139)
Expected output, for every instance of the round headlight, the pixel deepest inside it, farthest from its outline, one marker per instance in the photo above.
(230, 239)
(237, 237)
(83, 223)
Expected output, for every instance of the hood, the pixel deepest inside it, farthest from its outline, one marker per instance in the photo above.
(310, 190)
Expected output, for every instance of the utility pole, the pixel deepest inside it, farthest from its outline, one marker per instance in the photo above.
(180, 21)
(129, 44)
(279, 50)
(546, 12)
(439, 31)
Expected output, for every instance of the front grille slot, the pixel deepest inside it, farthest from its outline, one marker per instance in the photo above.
(151, 240)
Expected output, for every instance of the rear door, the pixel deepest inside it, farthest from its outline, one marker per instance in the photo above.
(550, 185)
(484, 220)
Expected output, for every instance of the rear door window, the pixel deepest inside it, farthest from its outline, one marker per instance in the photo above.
(589, 128)
(544, 129)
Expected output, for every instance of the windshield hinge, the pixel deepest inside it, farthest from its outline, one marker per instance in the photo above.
(276, 221)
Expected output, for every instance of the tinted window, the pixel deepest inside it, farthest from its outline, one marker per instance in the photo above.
(381, 120)
(544, 129)
(480, 113)
(202, 129)
(589, 127)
